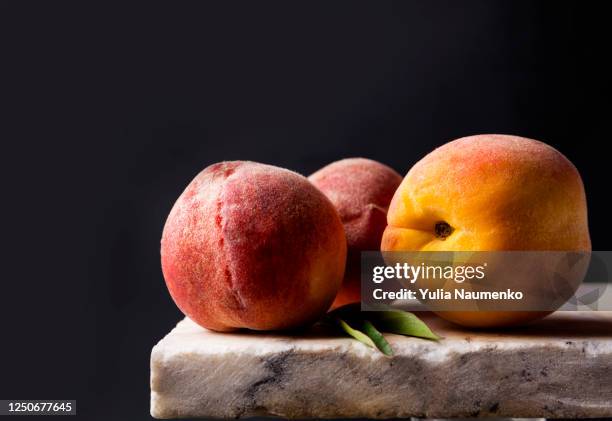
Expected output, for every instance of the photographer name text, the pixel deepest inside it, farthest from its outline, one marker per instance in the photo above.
(442, 294)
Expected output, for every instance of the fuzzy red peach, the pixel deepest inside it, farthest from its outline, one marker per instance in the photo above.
(361, 190)
(254, 246)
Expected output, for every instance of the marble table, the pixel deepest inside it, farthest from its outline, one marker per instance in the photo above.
(559, 367)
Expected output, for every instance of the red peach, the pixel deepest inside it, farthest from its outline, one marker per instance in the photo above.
(361, 190)
(249, 245)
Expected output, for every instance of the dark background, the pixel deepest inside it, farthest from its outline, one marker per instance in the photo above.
(108, 111)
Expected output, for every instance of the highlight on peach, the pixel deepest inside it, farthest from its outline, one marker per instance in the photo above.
(249, 245)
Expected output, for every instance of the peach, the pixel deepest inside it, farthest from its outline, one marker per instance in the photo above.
(361, 190)
(489, 193)
(254, 246)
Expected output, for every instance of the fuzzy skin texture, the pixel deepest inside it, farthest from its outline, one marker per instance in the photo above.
(254, 246)
(361, 190)
(497, 192)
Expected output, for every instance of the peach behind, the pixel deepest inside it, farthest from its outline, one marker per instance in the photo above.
(361, 190)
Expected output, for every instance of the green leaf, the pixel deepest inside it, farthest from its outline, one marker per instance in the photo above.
(369, 331)
(377, 338)
(360, 336)
(403, 323)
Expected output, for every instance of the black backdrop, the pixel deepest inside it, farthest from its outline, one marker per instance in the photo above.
(108, 111)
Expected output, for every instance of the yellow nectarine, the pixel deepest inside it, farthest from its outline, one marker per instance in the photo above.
(489, 193)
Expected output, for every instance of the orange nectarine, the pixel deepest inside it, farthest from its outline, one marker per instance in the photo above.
(489, 193)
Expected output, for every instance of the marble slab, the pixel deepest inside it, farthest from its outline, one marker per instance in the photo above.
(559, 367)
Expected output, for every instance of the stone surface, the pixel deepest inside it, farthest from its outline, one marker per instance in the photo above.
(560, 367)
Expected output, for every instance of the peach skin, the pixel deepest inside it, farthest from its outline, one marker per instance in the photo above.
(254, 246)
(361, 190)
(489, 193)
